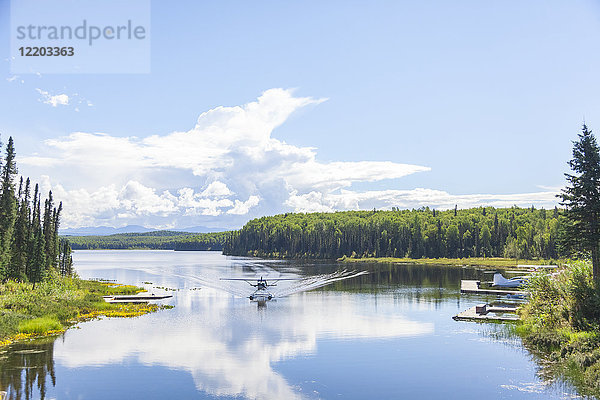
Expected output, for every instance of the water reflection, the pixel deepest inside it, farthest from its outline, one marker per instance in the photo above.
(228, 345)
(391, 327)
(25, 369)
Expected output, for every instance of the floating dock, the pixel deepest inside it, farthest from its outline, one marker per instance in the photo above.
(134, 299)
(480, 313)
(467, 286)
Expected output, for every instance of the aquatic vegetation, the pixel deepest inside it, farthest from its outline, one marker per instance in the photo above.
(48, 307)
(493, 262)
(121, 310)
(166, 288)
(561, 325)
(33, 335)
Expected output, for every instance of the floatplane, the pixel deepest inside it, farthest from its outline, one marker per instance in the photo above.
(516, 282)
(262, 294)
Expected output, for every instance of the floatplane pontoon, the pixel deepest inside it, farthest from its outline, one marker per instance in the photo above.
(261, 294)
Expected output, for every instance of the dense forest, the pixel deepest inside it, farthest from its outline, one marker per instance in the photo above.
(514, 232)
(30, 248)
(162, 240)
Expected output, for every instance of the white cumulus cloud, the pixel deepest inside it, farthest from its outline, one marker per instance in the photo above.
(134, 202)
(226, 168)
(414, 198)
(216, 189)
(242, 207)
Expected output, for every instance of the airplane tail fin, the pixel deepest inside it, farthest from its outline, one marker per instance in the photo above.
(499, 279)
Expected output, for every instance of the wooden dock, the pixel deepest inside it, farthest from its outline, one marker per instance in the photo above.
(134, 298)
(467, 286)
(481, 312)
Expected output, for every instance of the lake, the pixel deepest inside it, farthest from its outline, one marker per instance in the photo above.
(388, 334)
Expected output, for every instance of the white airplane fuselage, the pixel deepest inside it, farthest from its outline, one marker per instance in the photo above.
(516, 282)
(261, 294)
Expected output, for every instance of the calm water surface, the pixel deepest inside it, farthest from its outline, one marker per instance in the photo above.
(385, 335)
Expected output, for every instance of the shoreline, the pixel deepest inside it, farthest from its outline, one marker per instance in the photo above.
(51, 308)
(456, 262)
(485, 262)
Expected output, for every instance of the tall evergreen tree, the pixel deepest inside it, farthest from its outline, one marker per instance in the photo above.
(8, 208)
(37, 265)
(29, 243)
(66, 260)
(49, 232)
(486, 240)
(55, 224)
(22, 235)
(581, 198)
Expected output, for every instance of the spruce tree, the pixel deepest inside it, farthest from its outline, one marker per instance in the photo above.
(22, 235)
(65, 259)
(486, 241)
(581, 198)
(8, 208)
(49, 232)
(55, 239)
(37, 265)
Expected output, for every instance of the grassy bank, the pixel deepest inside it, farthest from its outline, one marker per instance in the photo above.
(561, 326)
(458, 262)
(51, 307)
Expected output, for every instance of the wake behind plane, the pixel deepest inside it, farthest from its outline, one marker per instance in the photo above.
(262, 293)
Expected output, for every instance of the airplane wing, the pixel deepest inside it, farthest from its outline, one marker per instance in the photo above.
(238, 279)
(256, 279)
(283, 279)
(248, 281)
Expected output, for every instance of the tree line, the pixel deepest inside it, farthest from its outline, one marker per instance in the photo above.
(30, 248)
(160, 240)
(522, 233)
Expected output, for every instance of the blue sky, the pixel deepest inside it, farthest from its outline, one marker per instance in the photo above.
(380, 104)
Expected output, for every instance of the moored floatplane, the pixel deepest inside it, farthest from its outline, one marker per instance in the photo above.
(501, 281)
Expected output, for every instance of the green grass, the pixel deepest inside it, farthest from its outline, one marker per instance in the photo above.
(561, 325)
(9, 323)
(58, 303)
(40, 325)
(472, 261)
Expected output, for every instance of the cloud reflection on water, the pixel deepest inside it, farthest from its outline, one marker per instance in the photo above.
(230, 346)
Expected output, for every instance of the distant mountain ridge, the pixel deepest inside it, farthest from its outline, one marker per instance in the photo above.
(109, 230)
